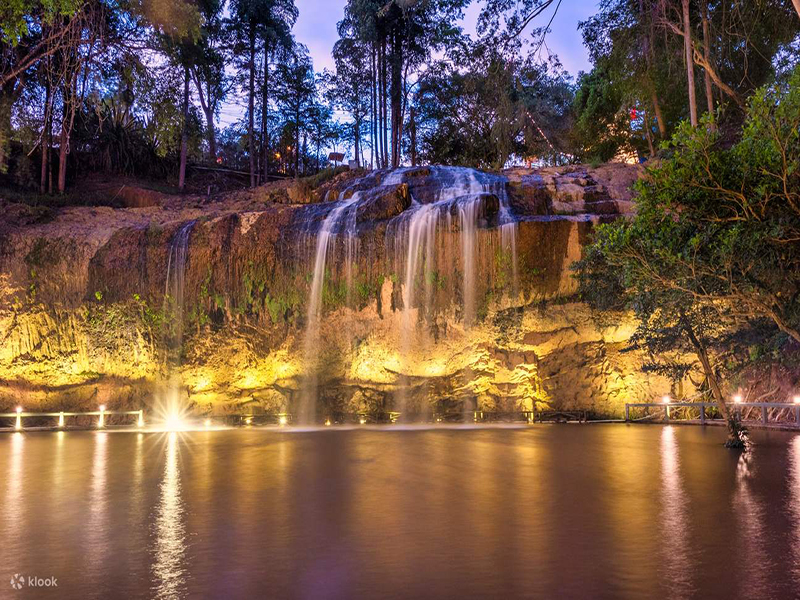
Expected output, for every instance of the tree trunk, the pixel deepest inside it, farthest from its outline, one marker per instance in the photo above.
(662, 127)
(372, 120)
(184, 131)
(707, 55)
(251, 106)
(208, 111)
(648, 134)
(687, 44)
(397, 94)
(357, 135)
(412, 132)
(734, 428)
(265, 113)
(45, 141)
(297, 141)
(69, 105)
(62, 153)
(384, 108)
(381, 106)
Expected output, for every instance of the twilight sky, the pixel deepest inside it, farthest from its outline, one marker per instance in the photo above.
(316, 28)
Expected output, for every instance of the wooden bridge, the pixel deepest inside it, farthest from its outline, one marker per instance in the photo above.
(776, 414)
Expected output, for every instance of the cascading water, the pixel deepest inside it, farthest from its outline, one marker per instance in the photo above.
(419, 239)
(326, 240)
(457, 226)
(175, 284)
(170, 404)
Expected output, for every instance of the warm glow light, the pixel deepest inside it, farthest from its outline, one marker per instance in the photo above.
(666, 399)
(282, 420)
(797, 399)
(362, 420)
(174, 422)
(18, 423)
(207, 423)
(19, 409)
(737, 399)
(327, 422)
(141, 419)
(248, 420)
(61, 420)
(102, 408)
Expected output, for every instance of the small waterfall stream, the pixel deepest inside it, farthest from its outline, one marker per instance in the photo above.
(332, 225)
(175, 285)
(169, 401)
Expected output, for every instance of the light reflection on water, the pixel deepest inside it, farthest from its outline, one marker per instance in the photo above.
(794, 505)
(675, 518)
(169, 570)
(539, 512)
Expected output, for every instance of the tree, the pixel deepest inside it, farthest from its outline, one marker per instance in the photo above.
(714, 247)
(268, 23)
(296, 93)
(348, 88)
(207, 67)
(402, 35)
(499, 105)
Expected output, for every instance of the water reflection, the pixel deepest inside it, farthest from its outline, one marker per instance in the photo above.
(674, 518)
(169, 570)
(750, 514)
(14, 504)
(794, 505)
(97, 532)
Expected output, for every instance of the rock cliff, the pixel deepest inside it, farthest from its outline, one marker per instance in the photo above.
(429, 289)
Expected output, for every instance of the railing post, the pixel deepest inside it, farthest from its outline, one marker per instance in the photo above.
(797, 415)
(666, 411)
(764, 415)
(627, 412)
(702, 414)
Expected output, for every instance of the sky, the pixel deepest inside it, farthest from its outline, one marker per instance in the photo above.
(316, 28)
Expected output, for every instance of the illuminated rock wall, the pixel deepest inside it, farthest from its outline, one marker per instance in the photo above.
(83, 317)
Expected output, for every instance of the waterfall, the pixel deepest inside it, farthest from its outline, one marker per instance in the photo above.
(168, 401)
(175, 285)
(326, 240)
(443, 247)
(421, 240)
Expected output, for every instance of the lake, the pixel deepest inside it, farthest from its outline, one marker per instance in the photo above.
(543, 511)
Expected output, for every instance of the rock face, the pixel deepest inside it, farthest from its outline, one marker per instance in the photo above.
(440, 290)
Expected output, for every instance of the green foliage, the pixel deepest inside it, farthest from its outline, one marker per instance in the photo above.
(602, 127)
(488, 105)
(713, 251)
(19, 17)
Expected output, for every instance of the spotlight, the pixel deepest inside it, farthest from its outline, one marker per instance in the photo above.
(737, 399)
(666, 399)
